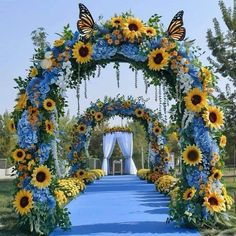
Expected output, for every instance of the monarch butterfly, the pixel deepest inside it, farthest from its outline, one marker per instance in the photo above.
(175, 29)
(85, 24)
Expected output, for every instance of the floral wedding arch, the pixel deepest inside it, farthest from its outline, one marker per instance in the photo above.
(201, 198)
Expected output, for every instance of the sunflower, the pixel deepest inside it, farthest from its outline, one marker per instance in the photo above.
(158, 59)
(49, 126)
(133, 29)
(192, 155)
(82, 128)
(217, 174)
(157, 130)
(19, 155)
(41, 177)
(223, 141)
(139, 112)
(33, 72)
(150, 31)
(81, 174)
(214, 202)
(214, 117)
(100, 104)
(23, 202)
(82, 52)
(22, 100)
(116, 21)
(195, 100)
(98, 116)
(49, 104)
(189, 193)
(59, 42)
(92, 112)
(11, 126)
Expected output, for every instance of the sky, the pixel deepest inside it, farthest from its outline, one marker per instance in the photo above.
(20, 18)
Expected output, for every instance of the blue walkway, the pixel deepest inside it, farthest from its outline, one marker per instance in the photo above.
(121, 206)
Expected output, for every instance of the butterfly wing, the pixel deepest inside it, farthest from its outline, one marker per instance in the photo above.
(176, 29)
(86, 23)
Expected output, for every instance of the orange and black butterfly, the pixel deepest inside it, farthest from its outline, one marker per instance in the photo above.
(176, 29)
(85, 24)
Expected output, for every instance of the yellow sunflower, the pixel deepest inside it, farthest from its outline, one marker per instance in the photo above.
(139, 112)
(33, 72)
(223, 141)
(82, 52)
(100, 104)
(41, 177)
(49, 104)
(133, 29)
(205, 75)
(157, 130)
(22, 100)
(23, 202)
(81, 174)
(11, 126)
(214, 117)
(19, 155)
(192, 155)
(189, 193)
(59, 42)
(158, 59)
(81, 128)
(196, 100)
(98, 116)
(116, 21)
(49, 126)
(214, 202)
(217, 174)
(150, 31)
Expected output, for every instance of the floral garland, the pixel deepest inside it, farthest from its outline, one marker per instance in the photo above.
(145, 47)
(117, 129)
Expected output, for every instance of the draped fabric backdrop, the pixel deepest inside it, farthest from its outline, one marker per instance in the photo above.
(125, 142)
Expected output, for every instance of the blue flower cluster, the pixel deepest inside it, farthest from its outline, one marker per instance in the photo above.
(44, 151)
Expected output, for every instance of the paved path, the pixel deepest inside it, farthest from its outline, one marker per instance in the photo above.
(121, 206)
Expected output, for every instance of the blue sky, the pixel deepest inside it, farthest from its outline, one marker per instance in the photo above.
(20, 18)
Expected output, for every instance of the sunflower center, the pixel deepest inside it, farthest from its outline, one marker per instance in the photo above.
(82, 128)
(117, 22)
(193, 155)
(81, 173)
(189, 195)
(149, 32)
(216, 175)
(83, 51)
(213, 201)
(213, 117)
(158, 58)
(24, 202)
(133, 27)
(41, 176)
(19, 154)
(157, 130)
(196, 99)
(49, 104)
(49, 126)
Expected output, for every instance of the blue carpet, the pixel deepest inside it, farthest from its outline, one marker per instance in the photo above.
(121, 206)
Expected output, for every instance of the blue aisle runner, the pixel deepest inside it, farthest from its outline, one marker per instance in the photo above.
(121, 206)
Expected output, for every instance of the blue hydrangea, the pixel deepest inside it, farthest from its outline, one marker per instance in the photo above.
(102, 50)
(27, 135)
(44, 151)
(193, 71)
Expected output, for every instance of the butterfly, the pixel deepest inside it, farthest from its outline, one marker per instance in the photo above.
(85, 24)
(175, 29)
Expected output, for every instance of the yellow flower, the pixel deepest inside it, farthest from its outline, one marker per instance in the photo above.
(98, 116)
(223, 141)
(100, 104)
(60, 197)
(41, 177)
(156, 130)
(23, 202)
(133, 29)
(139, 112)
(217, 174)
(49, 104)
(189, 193)
(82, 128)
(11, 126)
(49, 126)
(174, 136)
(158, 59)
(59, 42)
(150, 31)
(192, 155)
(21, 103)
(214, 117)
(206, 75)
(33, 72)
(81, 174)
(19, 155)
(214, 202)
(31, 164)
(195, 100)
(82, 52)
(116, 21)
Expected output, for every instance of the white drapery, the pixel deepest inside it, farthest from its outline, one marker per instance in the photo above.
(125, 142)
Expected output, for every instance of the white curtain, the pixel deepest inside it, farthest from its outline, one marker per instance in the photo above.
(109, 141)
(125, 141)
